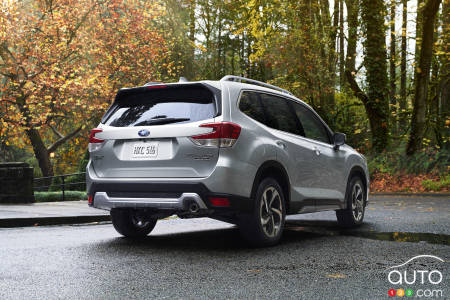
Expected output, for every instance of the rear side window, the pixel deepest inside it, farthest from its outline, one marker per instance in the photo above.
(145, 106)
(279, 114)
(250, 105)
(313, 127)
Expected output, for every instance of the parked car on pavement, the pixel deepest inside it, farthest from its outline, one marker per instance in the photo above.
(236, 150)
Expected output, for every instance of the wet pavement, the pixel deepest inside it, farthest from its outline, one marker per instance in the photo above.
(204, 258)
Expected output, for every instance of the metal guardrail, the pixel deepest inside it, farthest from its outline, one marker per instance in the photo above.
(49, 181)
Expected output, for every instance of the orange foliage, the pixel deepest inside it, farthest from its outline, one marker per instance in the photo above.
(61, 62)
(411, 183)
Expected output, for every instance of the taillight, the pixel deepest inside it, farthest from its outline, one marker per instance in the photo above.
(223, 135)
(90, 200)
(94, 142)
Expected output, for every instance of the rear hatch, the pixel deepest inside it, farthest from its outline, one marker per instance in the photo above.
(146, 132)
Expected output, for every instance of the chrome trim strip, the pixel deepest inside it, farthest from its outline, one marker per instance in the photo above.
(103, 201)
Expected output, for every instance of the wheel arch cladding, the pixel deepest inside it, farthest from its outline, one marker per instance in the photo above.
(359, 172)
(275, 170)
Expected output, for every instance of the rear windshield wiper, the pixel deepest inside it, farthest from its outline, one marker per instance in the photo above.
(161, 121)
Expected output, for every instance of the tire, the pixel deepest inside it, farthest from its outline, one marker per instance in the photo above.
(129, 224)
(265, 225)
(355, 196)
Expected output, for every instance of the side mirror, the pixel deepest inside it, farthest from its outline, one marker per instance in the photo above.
(338, 140)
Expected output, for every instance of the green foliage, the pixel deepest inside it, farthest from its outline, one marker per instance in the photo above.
(289, 43)
(350, 118)
(431, 185)
(396, 162)
(57, 196)
(70, 182)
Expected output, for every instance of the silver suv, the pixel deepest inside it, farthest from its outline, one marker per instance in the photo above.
(236, 150)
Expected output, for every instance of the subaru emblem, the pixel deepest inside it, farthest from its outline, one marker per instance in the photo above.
(143, 132)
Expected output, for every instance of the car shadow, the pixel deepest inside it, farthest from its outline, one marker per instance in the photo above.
(214, 239)
(325, 224)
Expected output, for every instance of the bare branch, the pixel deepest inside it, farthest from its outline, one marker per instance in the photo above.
(55, 131)
(62, 140)
(355, 87)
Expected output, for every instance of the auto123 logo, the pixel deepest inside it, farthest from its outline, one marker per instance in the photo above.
(414, 278)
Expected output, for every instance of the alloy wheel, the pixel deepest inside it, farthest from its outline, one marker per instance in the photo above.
(271, 211)
(357, 202)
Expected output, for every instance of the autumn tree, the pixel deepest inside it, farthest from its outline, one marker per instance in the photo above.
(44, 72)
(297, 40)
(61, 62)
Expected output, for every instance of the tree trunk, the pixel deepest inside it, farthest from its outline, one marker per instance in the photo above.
(332, 54)
(422, 76)
(419, 21)
(403, 103)
(352, 20)
(341, 44)
(191, 54)
(376, 99)
(443, 86)
(328, 32)
(392, 90)
(41, 153)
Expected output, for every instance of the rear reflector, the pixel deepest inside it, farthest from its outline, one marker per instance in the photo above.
(223, 135)
(219, 201)
(90, 200)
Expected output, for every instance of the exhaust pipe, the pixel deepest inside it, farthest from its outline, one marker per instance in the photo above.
(194, 208)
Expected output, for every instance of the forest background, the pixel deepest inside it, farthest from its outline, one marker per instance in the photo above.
(376, 70)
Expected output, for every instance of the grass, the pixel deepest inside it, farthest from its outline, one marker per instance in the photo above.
(57, 196)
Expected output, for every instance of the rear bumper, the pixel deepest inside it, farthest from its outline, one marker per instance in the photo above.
(163, 196)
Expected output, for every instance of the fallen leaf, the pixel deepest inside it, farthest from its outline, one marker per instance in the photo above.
(337, 275)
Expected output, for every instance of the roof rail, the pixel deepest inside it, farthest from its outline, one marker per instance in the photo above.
(255, 82)
(153, 83)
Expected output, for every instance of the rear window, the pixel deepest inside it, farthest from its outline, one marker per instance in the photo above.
(158, 106)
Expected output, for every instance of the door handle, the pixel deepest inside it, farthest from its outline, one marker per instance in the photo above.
(281, 144)
(316, 150)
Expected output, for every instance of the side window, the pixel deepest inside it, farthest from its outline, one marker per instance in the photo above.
(250, 105)
(279, 114)
(313, 127)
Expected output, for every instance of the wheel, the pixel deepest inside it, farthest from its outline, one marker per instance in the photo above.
(130, 224)
(353, 215)
(264, 226)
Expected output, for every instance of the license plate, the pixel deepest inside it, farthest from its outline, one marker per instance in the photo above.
(144, 150)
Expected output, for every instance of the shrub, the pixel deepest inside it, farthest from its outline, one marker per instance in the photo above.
(57, 196)
(427, 161)
(442, 184)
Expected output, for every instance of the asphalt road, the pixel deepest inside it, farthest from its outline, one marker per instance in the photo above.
(203, 258)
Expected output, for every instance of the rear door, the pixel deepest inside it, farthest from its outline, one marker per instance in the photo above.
(147, 132)
(293, 151)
